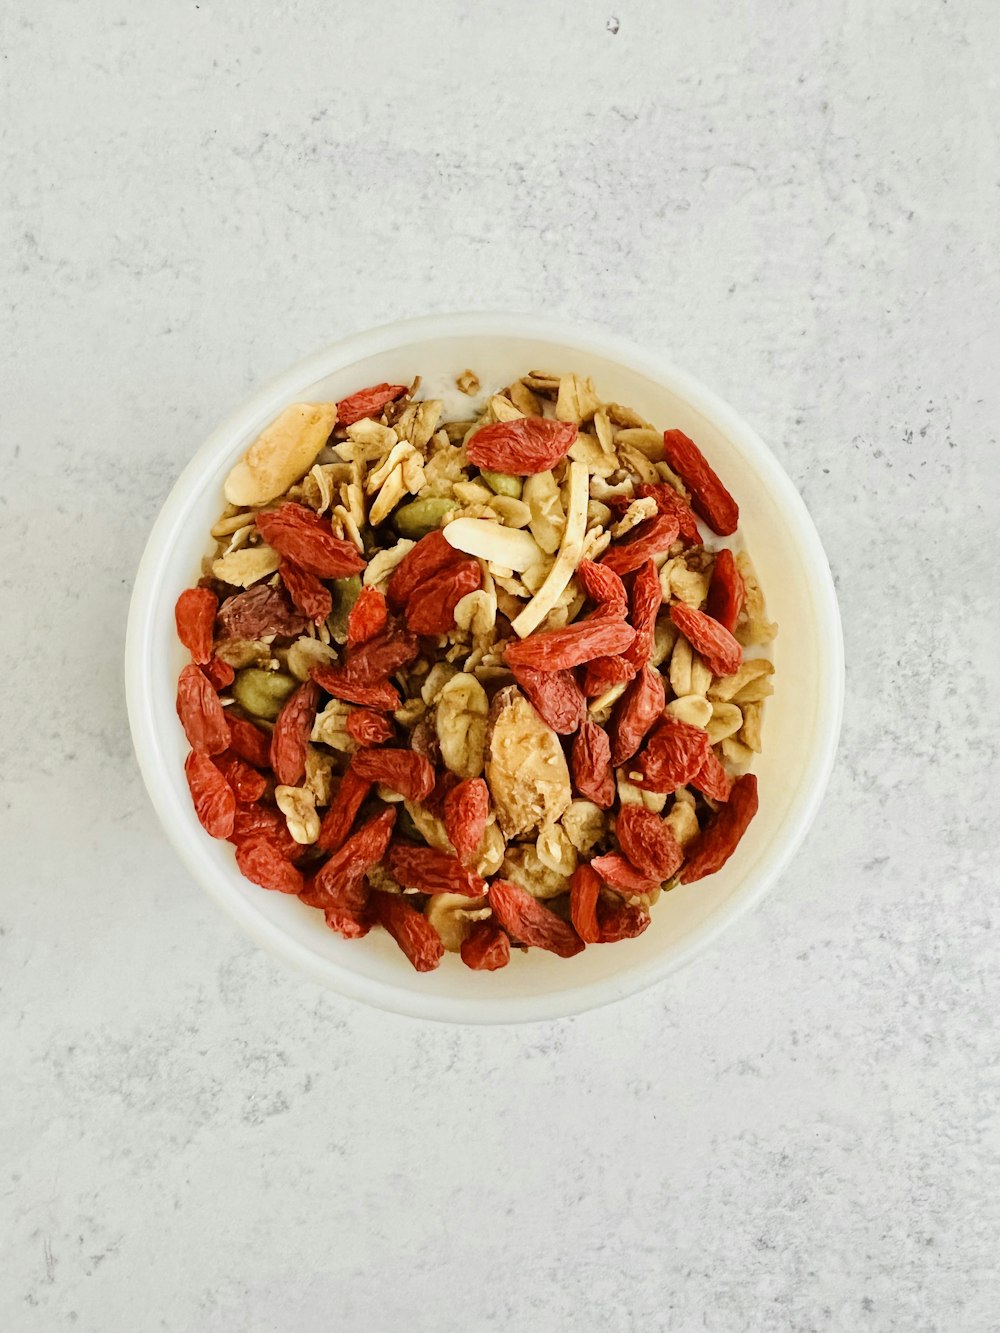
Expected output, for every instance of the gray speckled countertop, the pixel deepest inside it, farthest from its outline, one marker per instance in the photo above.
(799, 1131)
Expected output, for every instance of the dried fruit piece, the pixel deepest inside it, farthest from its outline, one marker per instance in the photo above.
(262, 863)
(647, 596)
(431, 608)
(380, 657)
(194, 616)
(261, 821)
(584, 894)
(281, 454)
(719, 650)
(555, 696)
(560, 649)
(637, 710)
(346, 803)
(370, 402)
(202, 716)
(604, 587)
(214, 801)
(429, 555)
(290, 737)
(669, 502)
(603, 673)
(653, 537)
(248, 785)
(340, 881)
(709, 497)
(260, 613)
(674, 753)
(353, 923)
(525, 767)
(220, 673)
(647, 842)
(726, 591)
(712, 848)
(431, 871)
(304, 537)
(521, 447)
(368, 728)
(712, 779)
(410, 929)
(367, 617)
(401, 770)
(621, 875)
(466, 810)
(527, 921)
(339, 682)
(486, 948)
(262, 693)
(591, 765)
(309, 595)
(620, 920)
(249, 742)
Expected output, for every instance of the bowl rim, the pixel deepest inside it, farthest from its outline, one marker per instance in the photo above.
(587, 337)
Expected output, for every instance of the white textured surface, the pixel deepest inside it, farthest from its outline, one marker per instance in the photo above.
(799, 1132)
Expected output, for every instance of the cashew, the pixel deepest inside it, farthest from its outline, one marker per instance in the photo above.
(726, 720)
(452, 915)
(630, 794)
(682, 821)
(461, 725)
(555, 850)
(691, 708)
(298, 805)
(281, 454)
(584, 824)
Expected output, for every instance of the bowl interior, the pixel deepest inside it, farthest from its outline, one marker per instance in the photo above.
(800, 724)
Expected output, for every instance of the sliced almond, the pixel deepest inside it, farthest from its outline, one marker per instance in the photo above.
(568, 558)
(247, 566)
(510, 547)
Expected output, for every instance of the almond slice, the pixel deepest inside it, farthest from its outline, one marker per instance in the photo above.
(568, 558)
(510, 547)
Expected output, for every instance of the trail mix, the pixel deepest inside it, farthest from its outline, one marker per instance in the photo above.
(479, 682)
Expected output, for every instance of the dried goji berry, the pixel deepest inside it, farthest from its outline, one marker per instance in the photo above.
(370, 402)
(560, 649)
(584, 892)
(261, 862)
(555, 697)
(248, 785)
(726, 591)
(351, 922)
(719, 650)
(646, 598)
(636, 711)
(340, 682)
(603, 586)
(340, 881)
(712, 848)
(620, 920)
(378, 658)
(430, 554)
(674, 753)
(339, 818)
(521, 447)
(402, 771)
(431, 871)
(466, 810)
(669, 502)
(424, 739)
(528, 922)
(214, 800)
(590, 764)
(248, 741)
(603, 673)
(713, 779)
(367, 617)
(652, 537)
(431, 608)
(486, 947)
(302, 536)
(219, 673)
(368, 728)
(202, 716)
(290, 738)
(194, 616)
(709, 497)
(622, 876)
(260, 613)
(311, 597)
(445, 783)
(410, 929)
(261, 821)
(647, 842)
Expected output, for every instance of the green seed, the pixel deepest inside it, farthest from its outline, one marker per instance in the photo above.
(262, 693)
(501, 483)
(420, 517)
(345, 593)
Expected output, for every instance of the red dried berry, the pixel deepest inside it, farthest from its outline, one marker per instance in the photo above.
(466, 810)
(410, 929)
(367, 617)
(445, 782)
(726, 591)
(604, 587)
(431, 871)
(261, 862)
(646, 598)
(603, 673)
(202, 716)
(311, 597)
(249, 742)
(647, 842)
(431, 608)
(486, 948)
(344, 807)
(219, 673)
(214, 800)
(652, 537)
(248, 785)
(402, 771)
(368, 728)
(620, 920)
(370, 402)
(674, 753)
(669, 502)
(709, 497)
(351, 922)
(290, 738)
(261, 821)
(584, 893)
(560, 649)
(194, 616)
(555, 697)
(636, 711)
(430, 554)
(622, 876)
(259, 613)
(302, 536)
(717, 647)
(712, 848)
(712, 779)
(340, 881)
(378, 658)
(528, 922)
(339, 682)
(521, 447)
(590, 764)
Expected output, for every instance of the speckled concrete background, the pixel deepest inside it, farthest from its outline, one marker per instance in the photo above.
(798, 200)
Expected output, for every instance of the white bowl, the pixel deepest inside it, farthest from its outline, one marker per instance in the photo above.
(802, 719)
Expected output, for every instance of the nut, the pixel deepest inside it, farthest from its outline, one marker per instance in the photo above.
(452, 916)
(584, 824)
(298, 805)
(555, 850)
(241, 568)
(523, 865)
(462, 709)
(281, 454)
(330, 727)
(682, 821)
(726, 720)
(307, 652)
(630, 794)
(544, 500)
(691, 708)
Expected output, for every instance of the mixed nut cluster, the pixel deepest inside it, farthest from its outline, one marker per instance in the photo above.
(478, 681)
